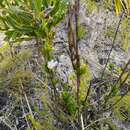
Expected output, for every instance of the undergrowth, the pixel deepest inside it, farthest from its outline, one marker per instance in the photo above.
(36, 92)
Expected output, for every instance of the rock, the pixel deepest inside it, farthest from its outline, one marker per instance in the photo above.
(3, 99)
(95, 46)
(4, 127)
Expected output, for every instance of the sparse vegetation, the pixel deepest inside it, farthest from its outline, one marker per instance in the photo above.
(37, 97)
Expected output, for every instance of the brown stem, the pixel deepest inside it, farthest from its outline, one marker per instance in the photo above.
(113, 43)
(73, 18)
(77, 2)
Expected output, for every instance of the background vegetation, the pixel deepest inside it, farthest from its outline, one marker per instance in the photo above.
(38, 98)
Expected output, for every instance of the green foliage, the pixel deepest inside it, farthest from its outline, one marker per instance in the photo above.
(31, 19)
(4, 48)
(35, 124)
(11, 68)
(7, 64)
(121, 110)
(70, 103)
(38, 5)
(47, 50)
(91, 5)
(24, 55)
(121, 4)
(125, 33)
(107, 4)
(111, 124)
(118, 6)
(36, 19)
(114, 68)
(81, 32)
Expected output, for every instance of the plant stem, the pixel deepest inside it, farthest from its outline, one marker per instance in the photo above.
(77, 2)
(116, 82)
(73, 18)
(26, 98)
(113, 43)
(114, 104)
(82, 122)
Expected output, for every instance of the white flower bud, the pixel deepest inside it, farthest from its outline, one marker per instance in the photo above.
(52, 64)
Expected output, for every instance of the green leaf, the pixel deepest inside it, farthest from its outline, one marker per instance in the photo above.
(45, 3)
(38, 5)
(70, 103)
(31, 4)
(56, 8)
(11, 22)
(12, 34)
(20, 15)
(117, 7)
(81, 32)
